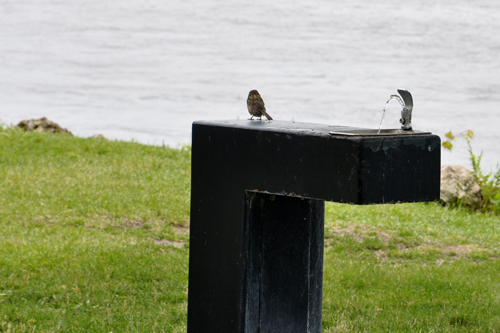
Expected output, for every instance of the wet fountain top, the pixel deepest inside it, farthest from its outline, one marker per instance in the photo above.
(406, 102)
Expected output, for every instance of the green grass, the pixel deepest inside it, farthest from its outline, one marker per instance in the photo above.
(410, 268)
(93, 238)
(82, 222)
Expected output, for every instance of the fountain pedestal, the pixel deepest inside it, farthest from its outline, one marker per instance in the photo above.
(257, 210)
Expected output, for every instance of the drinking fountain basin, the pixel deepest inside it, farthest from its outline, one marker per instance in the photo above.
(376, 132)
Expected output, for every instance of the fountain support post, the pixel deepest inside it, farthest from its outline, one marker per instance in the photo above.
(257, 213)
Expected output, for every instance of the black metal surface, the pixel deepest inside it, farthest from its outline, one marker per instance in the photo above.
(283, 264)
(297, 160)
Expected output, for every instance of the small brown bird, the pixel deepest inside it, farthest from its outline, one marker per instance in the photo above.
(256, 106)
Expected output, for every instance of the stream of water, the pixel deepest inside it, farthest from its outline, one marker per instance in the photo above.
(392, 98)
(146, 69)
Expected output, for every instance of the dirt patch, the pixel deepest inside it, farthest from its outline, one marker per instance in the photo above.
(384, 238)
(462, 249)
(344, 232)
(129, 224)
(168, 242)
(361, 233)
(180, 230)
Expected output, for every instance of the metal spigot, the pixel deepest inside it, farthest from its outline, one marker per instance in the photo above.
(407, 109)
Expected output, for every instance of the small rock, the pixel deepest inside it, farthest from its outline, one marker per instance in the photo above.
(99, 136)
(459, 187)
(42, 125)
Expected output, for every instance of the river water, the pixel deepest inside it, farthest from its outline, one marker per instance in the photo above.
(146, 69)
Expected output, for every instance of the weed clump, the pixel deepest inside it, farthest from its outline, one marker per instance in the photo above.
(489, 183)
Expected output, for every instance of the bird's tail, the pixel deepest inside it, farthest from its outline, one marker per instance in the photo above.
(268, 116)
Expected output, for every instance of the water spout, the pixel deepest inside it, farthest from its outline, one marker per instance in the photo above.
(407, 110)
(406, 102)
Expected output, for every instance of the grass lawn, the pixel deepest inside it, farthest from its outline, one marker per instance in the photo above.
(94, 238)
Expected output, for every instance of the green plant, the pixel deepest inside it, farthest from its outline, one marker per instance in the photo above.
(490, 182)
(448, 144)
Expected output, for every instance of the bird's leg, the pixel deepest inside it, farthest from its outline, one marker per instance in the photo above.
(251, 118)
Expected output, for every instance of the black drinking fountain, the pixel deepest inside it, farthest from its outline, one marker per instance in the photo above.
(257, 212)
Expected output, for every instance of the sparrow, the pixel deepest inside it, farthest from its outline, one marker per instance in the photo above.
(256, 106)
